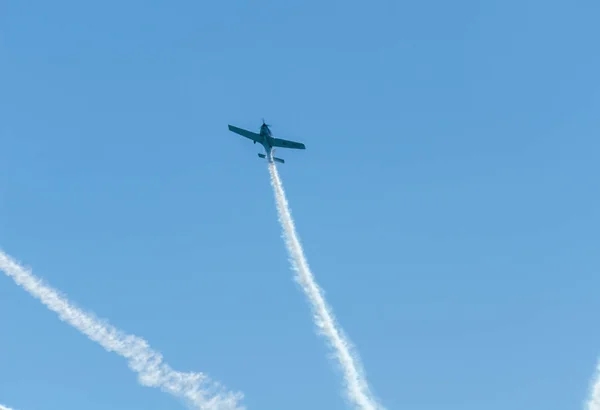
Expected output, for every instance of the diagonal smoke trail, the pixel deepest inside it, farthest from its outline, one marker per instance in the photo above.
(356, 385)
(594, 400)
(194, 388)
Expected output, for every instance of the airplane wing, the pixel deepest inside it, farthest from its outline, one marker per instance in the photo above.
(277, 142)
(248, 134)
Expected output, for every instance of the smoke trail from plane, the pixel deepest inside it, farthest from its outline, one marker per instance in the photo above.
(594, 400)
(194, 388)
(356, 386)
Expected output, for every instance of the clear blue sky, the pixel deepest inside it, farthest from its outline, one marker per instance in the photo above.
(448, 197)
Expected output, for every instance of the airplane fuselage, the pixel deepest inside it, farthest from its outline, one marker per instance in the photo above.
(265, 133)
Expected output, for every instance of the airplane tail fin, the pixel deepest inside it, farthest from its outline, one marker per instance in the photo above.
(274, 158)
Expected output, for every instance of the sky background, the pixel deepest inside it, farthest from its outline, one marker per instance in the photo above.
(447, 200)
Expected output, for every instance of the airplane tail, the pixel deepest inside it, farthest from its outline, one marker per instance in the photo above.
(274, 158)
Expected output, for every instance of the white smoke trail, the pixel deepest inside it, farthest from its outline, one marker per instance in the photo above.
(4, 407)
(356, 385)
(594, 400)
(147, 363)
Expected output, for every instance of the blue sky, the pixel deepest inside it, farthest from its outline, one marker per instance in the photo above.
(447, 198)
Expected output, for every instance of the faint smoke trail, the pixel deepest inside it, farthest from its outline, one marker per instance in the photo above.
(4, 407)
(147, 363)
(356, 385)
(594, 400)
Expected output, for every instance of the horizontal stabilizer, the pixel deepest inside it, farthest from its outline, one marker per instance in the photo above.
(274, 158)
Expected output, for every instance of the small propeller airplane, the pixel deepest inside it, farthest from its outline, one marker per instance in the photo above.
(266, 139)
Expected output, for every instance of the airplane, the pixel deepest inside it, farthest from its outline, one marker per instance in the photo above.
(268, 142)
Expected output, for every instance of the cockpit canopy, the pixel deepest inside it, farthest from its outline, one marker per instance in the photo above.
(264, 129)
